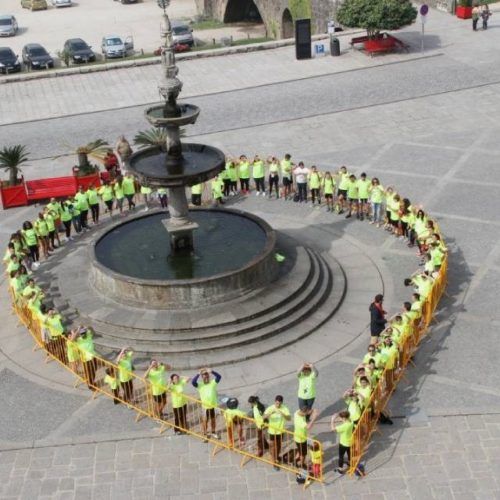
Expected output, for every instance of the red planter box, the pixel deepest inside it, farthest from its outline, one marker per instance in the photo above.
(13, 196)
(463, 12)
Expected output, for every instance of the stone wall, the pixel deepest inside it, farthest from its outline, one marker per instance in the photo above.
(273, 11)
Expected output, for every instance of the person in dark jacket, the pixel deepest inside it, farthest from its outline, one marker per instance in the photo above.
(377, 318)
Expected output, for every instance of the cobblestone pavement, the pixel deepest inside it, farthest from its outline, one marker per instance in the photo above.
(441, 150)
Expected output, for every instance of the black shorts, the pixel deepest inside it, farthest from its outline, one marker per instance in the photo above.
(353, 200)
(161, 398)
(329, 196)
(342, 192)
(363, 200)
(301, 448)
(287, 182)
(394, 223)
(277, 438)
(210, 413)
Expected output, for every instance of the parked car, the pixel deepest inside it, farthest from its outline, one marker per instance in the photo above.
(78, 50)
(8, 25)
(182, 33)
(34, 4)
(116, 46)
(128, 1)
(9, 62)
(62, 3)
(36, 57)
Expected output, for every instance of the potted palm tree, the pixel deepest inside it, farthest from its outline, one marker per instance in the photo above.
(464, 9)
(85, 172)
(13, 191)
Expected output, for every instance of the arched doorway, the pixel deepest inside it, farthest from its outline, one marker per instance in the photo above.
(242, 10)
(287, 30)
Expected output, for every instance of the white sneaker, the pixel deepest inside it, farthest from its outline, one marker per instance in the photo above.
(257, 193)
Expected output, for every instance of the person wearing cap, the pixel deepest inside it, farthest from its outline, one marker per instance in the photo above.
(126, 374)
(258, 410)
(179, 402)
(85, 343)
(307, 375)
(277, 414)
(207, 389)
(234, 417)
(343, 426)
(377, 318)
(155, 374)
(303, 420)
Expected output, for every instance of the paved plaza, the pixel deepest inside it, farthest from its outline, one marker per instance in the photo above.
(430, 127)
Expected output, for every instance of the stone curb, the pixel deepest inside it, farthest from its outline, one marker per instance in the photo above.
(242, 49)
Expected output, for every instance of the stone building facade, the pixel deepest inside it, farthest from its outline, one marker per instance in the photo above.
(277, 15)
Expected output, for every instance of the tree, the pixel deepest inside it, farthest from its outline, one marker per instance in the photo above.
(153, 137)
(376, 15)
(10, 160)
(96, 149)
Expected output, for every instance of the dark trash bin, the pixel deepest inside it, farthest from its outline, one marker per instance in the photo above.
(334, 46)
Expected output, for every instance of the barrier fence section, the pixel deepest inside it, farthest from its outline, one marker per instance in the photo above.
(238, 433)
(390, 377)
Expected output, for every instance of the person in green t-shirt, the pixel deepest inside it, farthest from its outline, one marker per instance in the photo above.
(342, 183)
(287, 175)
(179, 402)
(217, 185)
(66, 218)
(303, 419)
(42, 231)
(51, 218)
(244, 174)
(314, 180)
(146, 195)
(128, 186)
(307, 375)
(155, 374)
(352, 196)
(85, 343)
(107, 194)
(258, 173)
(112, 382)
(363, 185)
(328, 187)
(119, 194)
(126, 374)
(196, 191)
(93, 198)
(31, 240)
(342, 425)
(207, 389)
(277, 415)
(82, 204)
(232, 173)
(56, 345)
(234, 417)
(258, 410)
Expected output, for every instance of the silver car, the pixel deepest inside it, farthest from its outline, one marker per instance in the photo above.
(62, 3)
(8, 25)
(116, 46)
(182, 33)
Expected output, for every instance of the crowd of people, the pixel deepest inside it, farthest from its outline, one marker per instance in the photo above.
(342, 192)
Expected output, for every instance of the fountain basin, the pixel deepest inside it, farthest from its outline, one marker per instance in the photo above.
(199, 163)
(234, 255)
(155, 115)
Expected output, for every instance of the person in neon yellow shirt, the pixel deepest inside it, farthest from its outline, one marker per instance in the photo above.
(377, 196)
(303, 420)
(107, 195)
(258, 410)
(179, 402)
(85, 343)
(31, 240)
(42, 231)
(196, 191)
(286, 166)
(72, 351)
(352, 196)
(307, 375)
(66, 218)
(328, 187)
(126, 374)
(207, 389)
(343, 426)
(234, 417)
(258, 173)
(155, 374)
(57, 348)
(343, 183)
(352, 401)
(51, 220)
(244, 174)
(112, 382)
(128, 186)
(314, 179)
(363, 185)
(277, 415)
(316, 455)
(224, 175)
(82, 204)
(217, 187)
(93, 198)
(232, 173)
(119, 194)
(146, 192)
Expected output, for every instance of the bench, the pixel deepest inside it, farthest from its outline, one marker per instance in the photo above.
(382, 42)
(53, 187)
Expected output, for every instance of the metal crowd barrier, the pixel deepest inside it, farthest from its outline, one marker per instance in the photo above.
(250, 442)
(389, 379)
